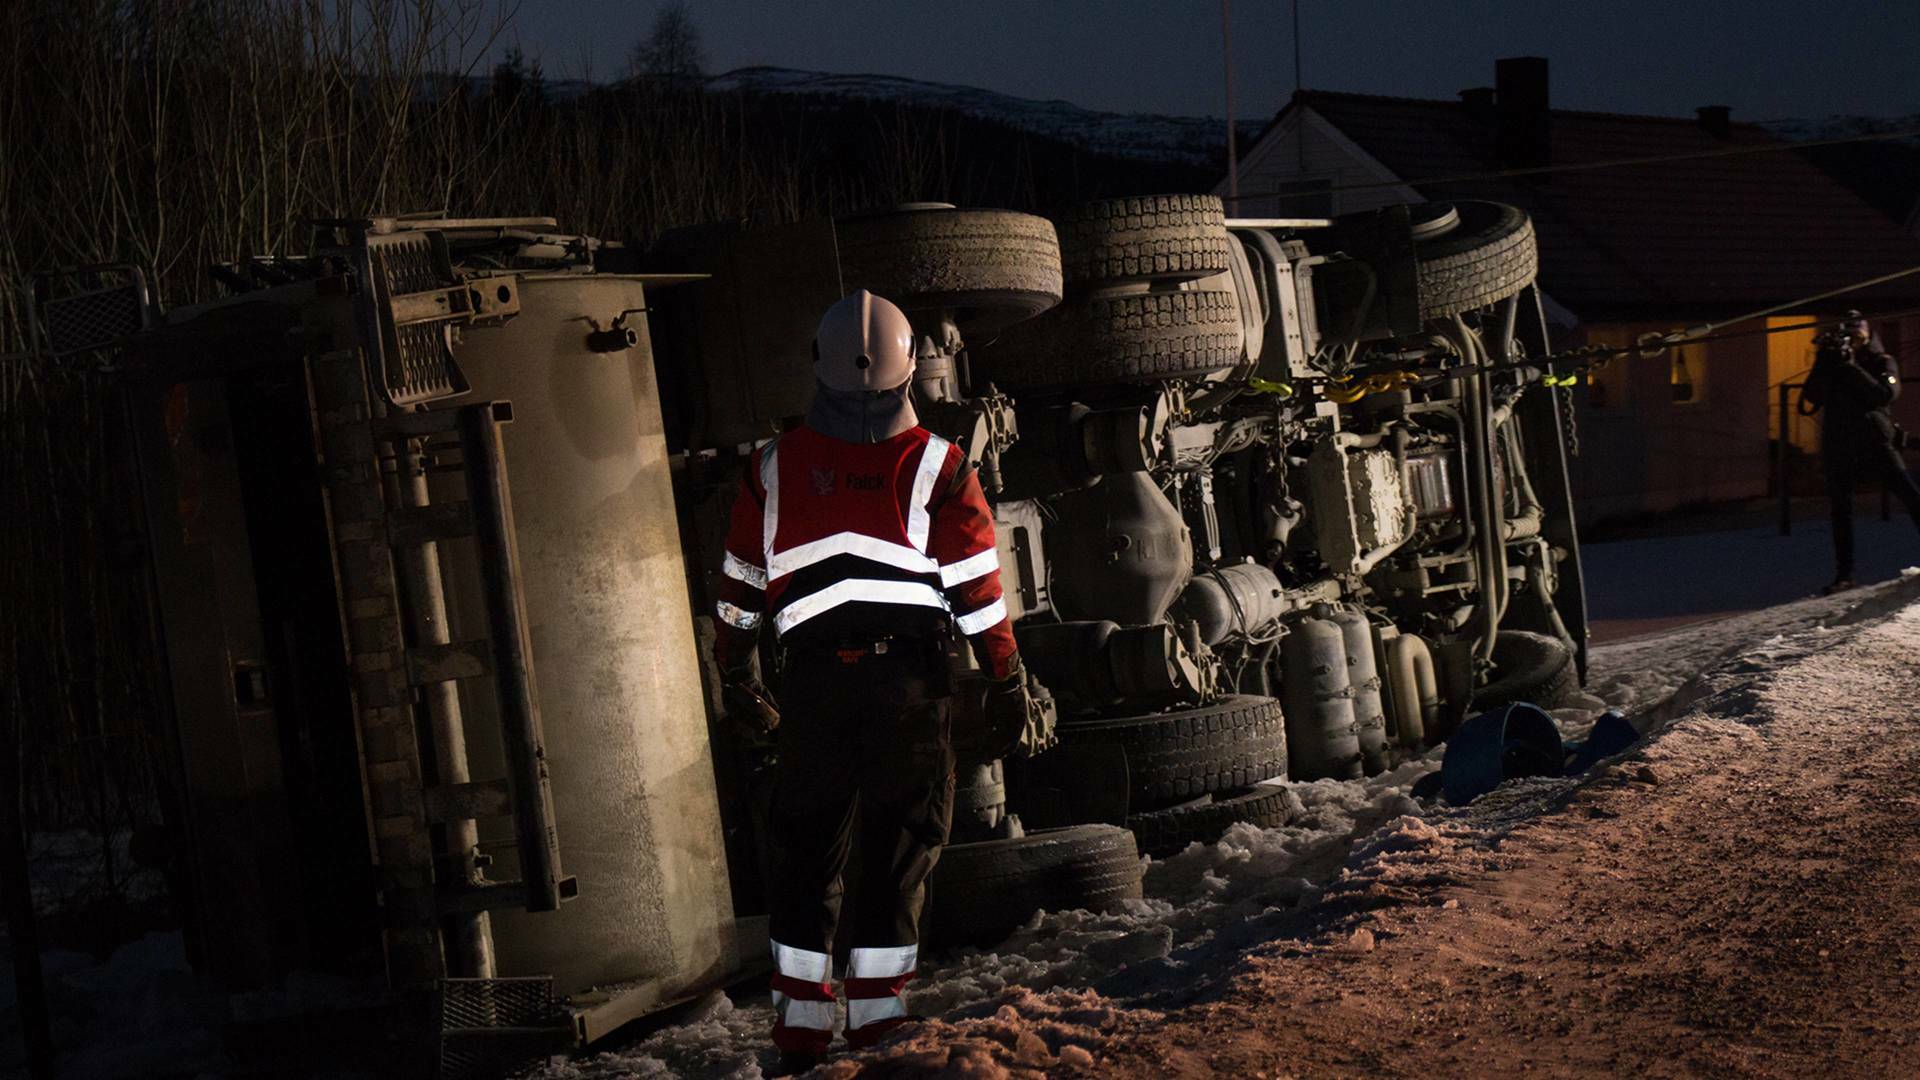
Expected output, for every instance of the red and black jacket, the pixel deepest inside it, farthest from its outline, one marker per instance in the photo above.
(834, 540)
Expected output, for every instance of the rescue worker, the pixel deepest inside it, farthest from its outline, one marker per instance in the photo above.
(866, 541)
(1855, 382)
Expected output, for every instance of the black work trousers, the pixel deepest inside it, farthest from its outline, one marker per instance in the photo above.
(1847, 462)
(867, 730)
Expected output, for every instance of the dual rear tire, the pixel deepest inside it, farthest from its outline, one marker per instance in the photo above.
(1138, 308)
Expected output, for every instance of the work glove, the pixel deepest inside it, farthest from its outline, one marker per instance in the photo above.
(1013, 725)
(748, 706)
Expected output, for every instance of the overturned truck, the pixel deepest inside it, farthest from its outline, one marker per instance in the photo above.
(1276, 499)
(434, 513)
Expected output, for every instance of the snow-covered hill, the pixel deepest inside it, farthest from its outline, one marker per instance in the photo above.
(1802, 129)
(1189, 140)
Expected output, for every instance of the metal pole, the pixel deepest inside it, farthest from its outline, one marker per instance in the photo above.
(1296, 48)
(469, 935)
(1299, 128)
(1233, 154)
(1780, 463)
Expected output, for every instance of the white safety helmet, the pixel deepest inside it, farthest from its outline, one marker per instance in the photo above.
(864, 343)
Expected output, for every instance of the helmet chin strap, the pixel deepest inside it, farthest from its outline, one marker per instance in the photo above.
(862, 416)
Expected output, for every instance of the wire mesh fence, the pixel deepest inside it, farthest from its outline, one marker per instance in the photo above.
(82, 708)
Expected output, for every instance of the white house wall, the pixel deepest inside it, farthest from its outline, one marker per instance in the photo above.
(1305, 146)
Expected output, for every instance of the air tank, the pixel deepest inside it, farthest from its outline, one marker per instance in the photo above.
(615, 664)
(1363, 675)
(1323, 739)
(1245, 599)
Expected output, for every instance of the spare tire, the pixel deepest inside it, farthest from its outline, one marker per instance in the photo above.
(980, 893)
(1529, 667)
(1118, 338)
(993, 268)
(1144, 238)
(1490, 255)
(1235, 742)
(1164, 832)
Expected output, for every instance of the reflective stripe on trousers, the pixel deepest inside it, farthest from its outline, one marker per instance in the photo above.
(876, 990)
(802, 986)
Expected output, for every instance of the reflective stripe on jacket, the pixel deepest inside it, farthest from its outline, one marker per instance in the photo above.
(838, 538)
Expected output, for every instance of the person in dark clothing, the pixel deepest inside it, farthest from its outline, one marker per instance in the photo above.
(1855, 382)
(866, 543)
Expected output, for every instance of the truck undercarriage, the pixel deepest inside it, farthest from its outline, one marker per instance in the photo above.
(1277, 500)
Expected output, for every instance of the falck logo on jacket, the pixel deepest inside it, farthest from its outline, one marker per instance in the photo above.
(823, 481)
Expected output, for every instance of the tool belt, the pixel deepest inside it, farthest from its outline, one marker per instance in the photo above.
(932, 654)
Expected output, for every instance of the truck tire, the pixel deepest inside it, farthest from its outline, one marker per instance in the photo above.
(1118, 338)
(980, 893)
(1235, 742)
(993, 268)
(1487, 257)
(1165, 832)
(1144, 238)
(1529, 667)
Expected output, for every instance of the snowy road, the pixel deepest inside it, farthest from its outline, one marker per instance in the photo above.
(1738, 900)
(1654, 583)
(1329, 948)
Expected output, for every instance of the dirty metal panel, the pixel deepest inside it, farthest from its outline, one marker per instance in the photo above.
(454, 660)
(228, 732)
(460, 802)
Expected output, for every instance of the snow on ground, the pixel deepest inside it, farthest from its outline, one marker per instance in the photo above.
(1206, 902)
(1067, 973)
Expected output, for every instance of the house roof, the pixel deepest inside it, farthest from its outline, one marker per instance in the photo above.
(1685, 240)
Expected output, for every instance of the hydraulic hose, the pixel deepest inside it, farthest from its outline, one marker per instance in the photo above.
(1477, 399)
(1532, 516)
(1496, 502)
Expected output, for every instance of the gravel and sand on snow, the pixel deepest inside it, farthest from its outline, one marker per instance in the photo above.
(1378, 934)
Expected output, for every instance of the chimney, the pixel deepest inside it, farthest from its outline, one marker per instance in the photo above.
(1716, 120)
(1478, 101)
(1524, 125)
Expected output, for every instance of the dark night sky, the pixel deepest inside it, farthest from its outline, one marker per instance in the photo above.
(1769, 59)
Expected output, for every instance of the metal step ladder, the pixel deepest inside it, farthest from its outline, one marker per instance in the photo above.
(375, 438)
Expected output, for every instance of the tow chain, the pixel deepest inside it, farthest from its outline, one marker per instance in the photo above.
(1569, 426)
